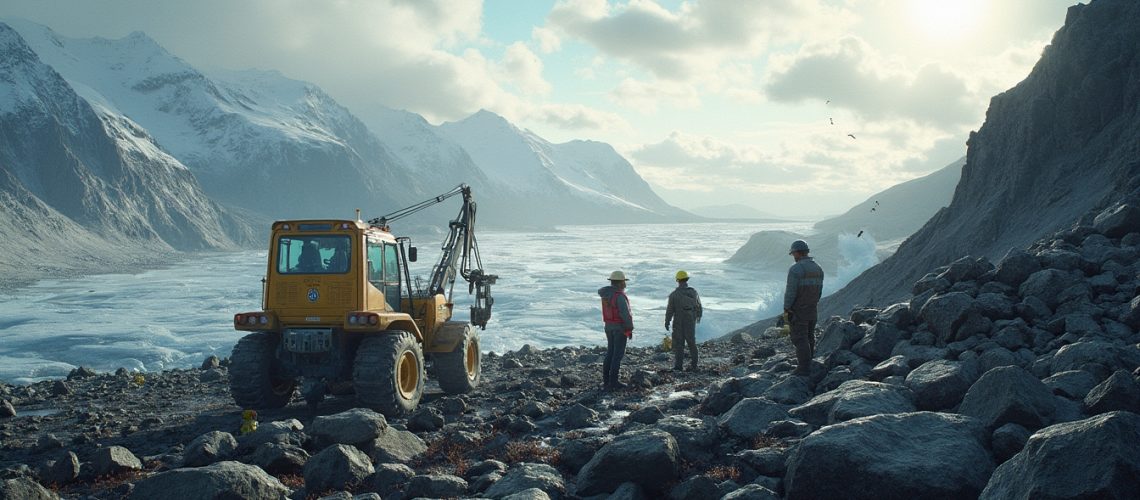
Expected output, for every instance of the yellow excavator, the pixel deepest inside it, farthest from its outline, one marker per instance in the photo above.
(341, 314)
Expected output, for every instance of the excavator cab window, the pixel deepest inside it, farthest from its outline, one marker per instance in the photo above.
(384, 271)
(328, 254)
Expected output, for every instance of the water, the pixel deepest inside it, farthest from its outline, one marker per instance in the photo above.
(546, 296)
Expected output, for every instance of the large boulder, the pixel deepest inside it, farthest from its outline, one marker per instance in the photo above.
(1095, 356)
(790, 391)
(696, 438)
(647, 457)
(357, 426)
(1016, 266)
(219, 480)
(394, 445)
(1118, 220)
(336, 468)
(1072, 384)
(878, 343)
(928, 455)
(277, 458)
(854, 399)
(1091, 458)
(941, 384)
(751, 417)
(943, 314)
(1009, 394)
(25, 488)
(1047, 285)
(1118, 392)
(524, 476)
(838, 336)
(436, 486)
(208, 448)
(114, 460)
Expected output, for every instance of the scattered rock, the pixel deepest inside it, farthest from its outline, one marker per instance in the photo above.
(113, 460)
(524, 476)
(647, 457)
(208, 448)
(23, 488)
(220, 480)
(1009, 395)
(1118, 392)
(357, 426)
(337, 467)
(436, 486)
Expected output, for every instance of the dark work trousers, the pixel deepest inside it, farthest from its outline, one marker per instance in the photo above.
(684, 332)
(615, 350)
(803, 338)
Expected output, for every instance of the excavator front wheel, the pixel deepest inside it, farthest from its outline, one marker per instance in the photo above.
(460, 370)
(388, 374)
(256, 381)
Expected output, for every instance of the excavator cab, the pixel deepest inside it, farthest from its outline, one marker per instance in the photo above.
(341, 313)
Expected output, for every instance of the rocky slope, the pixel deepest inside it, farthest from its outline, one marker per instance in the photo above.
(1064, 141)
(1004, 381)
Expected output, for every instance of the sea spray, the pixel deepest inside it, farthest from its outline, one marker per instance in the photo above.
(857, 254)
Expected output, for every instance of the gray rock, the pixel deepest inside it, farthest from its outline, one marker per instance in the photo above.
(535, 409)
(276, 458)
(393, 445)
(1118, 220)
(1131, 316)
(647, 457)
(213, 446)
(211, 375)
(838, 335)
(647, 415)
(436, 486)
(523, 476)
(994, 306)
(943, 314)
(1007, 440)
(337, 467)
(1009, 394)
(529, 494)
(941, 384)
(1046, 285)
(62, 470)
(751, 417)
(789, 429)
(1073, 384)
(1091, 458)
(390, 478)
(25, 488)
(1082, 324)
(280, 432)
(894, 365)
(628, 491)
(765, 461)
(60, 388)
(357, 426)
(695, 488)
(1095, 356)
(854, 399)
(219, 480)
(878, 343)
(211, 362)
(791, 391)
(696, 438)
(113, 460)
(930, 455)
(898, 315)
(752, 492)
(426, 419)
(6, 409)
(998, 356)
(1118, 392)
(578, 416)
(576, 453)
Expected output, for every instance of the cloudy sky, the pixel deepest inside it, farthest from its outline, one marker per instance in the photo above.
(713, 101)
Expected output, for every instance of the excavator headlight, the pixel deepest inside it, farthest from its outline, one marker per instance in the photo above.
(352, 319)
(251, 320)
(373, 319)
(264, 320)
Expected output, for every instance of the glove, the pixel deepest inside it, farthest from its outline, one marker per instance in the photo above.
(666, 326)
(629, 334)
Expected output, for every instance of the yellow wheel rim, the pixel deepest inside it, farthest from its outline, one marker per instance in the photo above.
(472, 359)
(408, 374)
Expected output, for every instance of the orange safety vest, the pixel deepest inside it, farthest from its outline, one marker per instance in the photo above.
(610, 313)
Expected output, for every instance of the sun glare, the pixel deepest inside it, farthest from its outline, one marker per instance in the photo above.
(946, 20)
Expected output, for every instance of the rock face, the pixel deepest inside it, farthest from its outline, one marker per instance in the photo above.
(930, 455)
(1092, 458)
(220, 480)
(1028, 168)
(647, 457)
(1009, 394)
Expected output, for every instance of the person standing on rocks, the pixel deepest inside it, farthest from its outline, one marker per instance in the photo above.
(619, 327)
(684, 312)
(805, 285)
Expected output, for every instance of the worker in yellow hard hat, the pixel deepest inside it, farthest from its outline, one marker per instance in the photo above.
(618, 325)
(683, 312)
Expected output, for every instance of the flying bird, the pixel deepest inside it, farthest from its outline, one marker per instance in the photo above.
(873, 208)
(828, 101)
(851, 136)
(859, 235)
(831, 120)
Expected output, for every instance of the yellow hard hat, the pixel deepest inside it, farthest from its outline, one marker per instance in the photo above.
(618, 276)
(682, 275)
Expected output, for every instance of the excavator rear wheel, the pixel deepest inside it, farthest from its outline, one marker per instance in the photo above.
(460, 370)
(388, 374)
(255, 379)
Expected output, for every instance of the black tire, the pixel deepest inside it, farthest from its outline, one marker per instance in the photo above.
(388, 373)
(460, 370)
(255, 377)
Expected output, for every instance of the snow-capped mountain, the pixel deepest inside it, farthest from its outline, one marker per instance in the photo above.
(254, 139)
(94, 166)
(574, 182)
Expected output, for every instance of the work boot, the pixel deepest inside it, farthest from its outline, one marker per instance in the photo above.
(617, 385)
(803, 356)
(692, 368)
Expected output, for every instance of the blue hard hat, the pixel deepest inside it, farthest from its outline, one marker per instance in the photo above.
(799, 246)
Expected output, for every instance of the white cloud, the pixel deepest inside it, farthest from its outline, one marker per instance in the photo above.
(577, 117)
(547, 40)
(852, 75)
(522, 67)
(647, 96)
